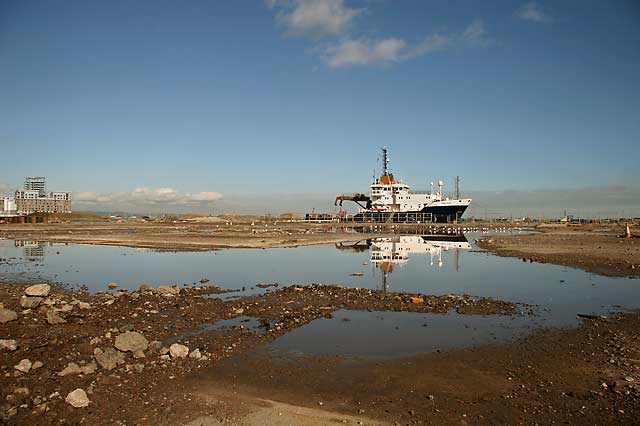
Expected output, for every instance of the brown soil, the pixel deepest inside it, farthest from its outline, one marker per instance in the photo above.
(188, 235)
(162, 393)
(587, 376)
(598, 249)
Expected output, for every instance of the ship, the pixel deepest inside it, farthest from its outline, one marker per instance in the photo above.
(391, 200)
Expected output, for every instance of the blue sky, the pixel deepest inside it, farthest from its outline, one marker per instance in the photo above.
(296, 96)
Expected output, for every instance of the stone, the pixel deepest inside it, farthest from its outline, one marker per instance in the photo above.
(65, 307)
(178, 351)
(417, 300)
(239, 311)
(138, 354)
(53, 318)
(7, 315)
(155, 346)
(30, 302)
(23, 366)
(168, 290)
(89, 368)
(112, 285)
(39, 290)
(108, 358)
(78, 398)
(19, 395)
(195, 354)
(8, 344)
(84, 305)
(131, 341)
(71, 368)
(36, 365)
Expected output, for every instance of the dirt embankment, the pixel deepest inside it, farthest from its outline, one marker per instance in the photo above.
(597, 249)
(74, 358)
(191, 235)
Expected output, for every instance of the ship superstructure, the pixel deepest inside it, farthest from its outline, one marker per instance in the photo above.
(392, 199)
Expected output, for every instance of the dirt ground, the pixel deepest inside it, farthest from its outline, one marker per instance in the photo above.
(188, 235)
(594, 248)
(584, 376)
(206, 233)
(73, 331)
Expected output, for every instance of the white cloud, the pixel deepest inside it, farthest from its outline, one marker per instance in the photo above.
(321, 18)
(532, 12)
(433, 43)
(475, 34)
(142, 196)
(363, 52)
(314, 18)
(351, 52)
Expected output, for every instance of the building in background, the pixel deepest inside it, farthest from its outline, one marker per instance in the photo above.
(38, 184)
(8, 206)
(34, 198)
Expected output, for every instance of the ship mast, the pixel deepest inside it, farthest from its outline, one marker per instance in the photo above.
(385, 161)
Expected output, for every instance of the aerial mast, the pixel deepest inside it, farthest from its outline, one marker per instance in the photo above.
(385, 161)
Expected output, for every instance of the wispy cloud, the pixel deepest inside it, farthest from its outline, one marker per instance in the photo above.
(313, 18)
(349, 52)
(363, 52)
(533, 12)
(476, 34)
(142, 196)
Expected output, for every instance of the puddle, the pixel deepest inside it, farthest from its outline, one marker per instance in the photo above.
(429, 264)
(397, 334)
(250, 323)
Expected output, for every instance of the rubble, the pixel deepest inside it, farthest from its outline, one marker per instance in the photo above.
(178, 351)
(39, 290)
(7, 315)
(8, 344)
(78, 398)
(23, 366)
(53, 318)
(131, 341)
(108, 358)
(30, 302)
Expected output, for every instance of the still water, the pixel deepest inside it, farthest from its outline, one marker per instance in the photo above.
(413, 263)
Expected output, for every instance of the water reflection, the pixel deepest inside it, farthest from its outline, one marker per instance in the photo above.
(35, 250)
(392, 252)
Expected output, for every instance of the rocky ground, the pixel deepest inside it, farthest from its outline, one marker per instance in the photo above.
(128, 357)
(595, 248)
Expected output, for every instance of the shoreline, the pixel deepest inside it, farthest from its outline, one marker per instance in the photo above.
(595, 249)
(233, 378)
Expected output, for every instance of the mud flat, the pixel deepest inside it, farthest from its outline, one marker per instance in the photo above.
(598, 249)
(157, 356)
(188, 236)
(135, 355)
(202, 234)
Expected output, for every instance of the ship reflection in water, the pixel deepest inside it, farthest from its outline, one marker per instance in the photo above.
(393, 252)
